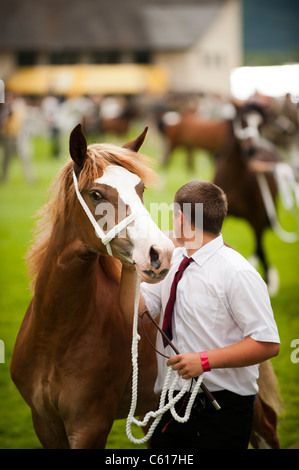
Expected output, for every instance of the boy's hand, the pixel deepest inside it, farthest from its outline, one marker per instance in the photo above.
(188, 365)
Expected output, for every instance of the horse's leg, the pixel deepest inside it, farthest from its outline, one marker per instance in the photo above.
(190, 158)
(168, 149)
(47, 436)
(88, 419)
(91, 433)
(260, 253)
(271, 275)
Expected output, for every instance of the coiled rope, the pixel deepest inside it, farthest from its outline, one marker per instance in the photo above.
(170, 383)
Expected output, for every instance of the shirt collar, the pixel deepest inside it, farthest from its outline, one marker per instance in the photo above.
(208, 250)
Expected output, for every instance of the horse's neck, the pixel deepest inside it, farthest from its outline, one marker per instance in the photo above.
(231, 157)
(69, 276)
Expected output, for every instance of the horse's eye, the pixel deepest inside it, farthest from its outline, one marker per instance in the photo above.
(96, 195)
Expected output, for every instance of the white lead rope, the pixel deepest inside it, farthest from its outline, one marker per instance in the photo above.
(172, 400)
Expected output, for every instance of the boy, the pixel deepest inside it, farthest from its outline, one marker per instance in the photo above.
(221, 321)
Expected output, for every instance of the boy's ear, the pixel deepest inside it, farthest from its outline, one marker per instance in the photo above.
(181, 215)
(177, 213)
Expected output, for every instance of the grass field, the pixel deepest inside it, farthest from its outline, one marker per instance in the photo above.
(19, 202)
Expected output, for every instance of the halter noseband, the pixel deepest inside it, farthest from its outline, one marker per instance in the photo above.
(106, 238)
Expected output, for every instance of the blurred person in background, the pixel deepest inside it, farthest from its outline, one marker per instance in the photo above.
(14, 136)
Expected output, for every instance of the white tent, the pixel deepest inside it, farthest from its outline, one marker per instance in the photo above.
(273, 81)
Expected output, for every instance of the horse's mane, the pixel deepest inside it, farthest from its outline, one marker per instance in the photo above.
(62, 196)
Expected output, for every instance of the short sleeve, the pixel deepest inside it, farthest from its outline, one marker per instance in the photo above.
(250, 306)
(152, 297)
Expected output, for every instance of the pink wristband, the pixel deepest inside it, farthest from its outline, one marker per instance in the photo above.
(205, 361)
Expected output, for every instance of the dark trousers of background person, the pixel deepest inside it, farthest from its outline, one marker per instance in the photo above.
(207, 428)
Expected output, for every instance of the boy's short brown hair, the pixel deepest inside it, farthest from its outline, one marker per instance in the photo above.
(213, 200)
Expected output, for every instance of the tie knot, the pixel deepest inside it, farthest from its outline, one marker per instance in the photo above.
(184, 263)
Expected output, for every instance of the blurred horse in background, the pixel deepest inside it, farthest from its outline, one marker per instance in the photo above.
(188, 130)
(281, 124)
(206, 126)
(235, 144)
(281, 118)
(235, 176)
(116, 115)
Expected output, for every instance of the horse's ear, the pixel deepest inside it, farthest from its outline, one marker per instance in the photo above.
(135, 144)
(78, 147)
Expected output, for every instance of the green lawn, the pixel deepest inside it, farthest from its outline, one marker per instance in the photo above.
(19, 202)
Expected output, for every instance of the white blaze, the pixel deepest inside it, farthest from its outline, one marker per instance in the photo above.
(124, 182)
(144, 233)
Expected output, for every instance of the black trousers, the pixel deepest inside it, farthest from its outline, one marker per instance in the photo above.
(207, 428)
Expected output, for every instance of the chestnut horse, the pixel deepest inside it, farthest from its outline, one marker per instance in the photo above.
(72, 357)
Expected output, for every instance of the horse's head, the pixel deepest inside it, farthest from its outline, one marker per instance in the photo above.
(113, 202)
(246, 125)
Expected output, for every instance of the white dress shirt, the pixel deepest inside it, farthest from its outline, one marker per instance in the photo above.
(221, 300)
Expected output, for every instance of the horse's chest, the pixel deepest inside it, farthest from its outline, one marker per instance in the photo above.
(45, 399)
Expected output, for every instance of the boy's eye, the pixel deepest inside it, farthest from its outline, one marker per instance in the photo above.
(96, 195)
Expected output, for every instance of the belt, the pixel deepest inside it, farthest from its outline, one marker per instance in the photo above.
(225, 398)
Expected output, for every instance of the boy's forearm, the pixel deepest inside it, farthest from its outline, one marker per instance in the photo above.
(242, 354)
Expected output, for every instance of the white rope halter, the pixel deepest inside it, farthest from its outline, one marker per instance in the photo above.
(106, 238)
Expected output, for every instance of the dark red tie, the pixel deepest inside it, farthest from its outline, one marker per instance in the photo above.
(167, 321)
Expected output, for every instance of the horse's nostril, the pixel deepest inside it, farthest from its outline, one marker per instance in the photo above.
(154, 256)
